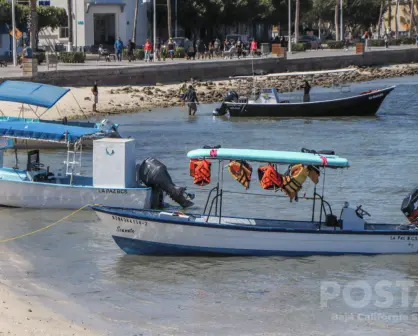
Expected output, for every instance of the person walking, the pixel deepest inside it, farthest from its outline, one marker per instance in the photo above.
(306, 92)
(95, 92)
(119, 49)
(147, 49)
(386, 39)
(131, 48)
(191, 98)
(253, 47)
(171, 47)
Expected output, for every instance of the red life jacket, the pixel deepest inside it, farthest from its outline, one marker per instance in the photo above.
(200, 171)
(269, 177)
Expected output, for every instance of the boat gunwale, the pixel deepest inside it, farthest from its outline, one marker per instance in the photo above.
(241, 227)
(388, 90)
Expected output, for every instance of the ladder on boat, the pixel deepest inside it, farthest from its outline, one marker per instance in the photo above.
(73, 162)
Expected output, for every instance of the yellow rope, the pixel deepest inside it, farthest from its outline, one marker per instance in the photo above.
(45, 227)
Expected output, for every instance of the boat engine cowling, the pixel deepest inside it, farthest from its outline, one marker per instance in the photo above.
(154, 174)
(410, 206)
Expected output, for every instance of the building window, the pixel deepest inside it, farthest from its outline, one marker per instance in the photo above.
(44, 3)
(63, 32)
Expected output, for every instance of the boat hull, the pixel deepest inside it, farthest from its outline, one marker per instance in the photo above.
(25, 194)
(361, 105)
(38, 144)
(136, 234)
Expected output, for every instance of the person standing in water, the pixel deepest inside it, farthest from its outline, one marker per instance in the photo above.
(95, 92)
(191, 98)
(306, 92)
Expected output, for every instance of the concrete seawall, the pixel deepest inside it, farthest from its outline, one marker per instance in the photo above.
(217, 69)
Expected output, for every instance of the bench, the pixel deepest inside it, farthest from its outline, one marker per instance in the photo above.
(51, 61)
(106, 55)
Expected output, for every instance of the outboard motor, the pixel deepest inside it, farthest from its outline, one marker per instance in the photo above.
(231, 97)
(154, 174)
(106, 126)
(410, 207)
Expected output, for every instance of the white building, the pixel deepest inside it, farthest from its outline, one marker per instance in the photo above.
(99, 22)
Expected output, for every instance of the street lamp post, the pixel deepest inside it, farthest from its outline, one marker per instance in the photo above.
(14, 34)
(154, 24)
(341, 20)
(175, 28)
(290, 28)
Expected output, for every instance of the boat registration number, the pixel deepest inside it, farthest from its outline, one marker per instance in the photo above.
(404, 238)
(376, 96)
(129, 220)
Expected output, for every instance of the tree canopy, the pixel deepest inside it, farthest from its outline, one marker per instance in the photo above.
(213, 14)
(48, 16)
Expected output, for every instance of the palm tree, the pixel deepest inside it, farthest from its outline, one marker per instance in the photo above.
(411, 17)
(169, 26)
(70, 21)
(379, 23)
(337, 32)
(297, 14)
(390, 14)
(397, 19)
(135, 20)
(33, 24)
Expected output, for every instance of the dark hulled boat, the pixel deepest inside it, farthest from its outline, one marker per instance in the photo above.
(268, 104)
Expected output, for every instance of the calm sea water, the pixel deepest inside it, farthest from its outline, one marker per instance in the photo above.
(76, 269)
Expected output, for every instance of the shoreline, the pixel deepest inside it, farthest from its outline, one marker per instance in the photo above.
(131, 99)
(23, 307)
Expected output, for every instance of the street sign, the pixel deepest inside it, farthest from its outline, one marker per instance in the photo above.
(80, 22)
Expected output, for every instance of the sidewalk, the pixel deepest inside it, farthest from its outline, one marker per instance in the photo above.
(10, 71)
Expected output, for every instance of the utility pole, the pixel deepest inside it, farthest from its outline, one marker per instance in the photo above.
(14, 34)
(135, 20)
(341, 21)
(290, 28)
(175, 13)
(155, 28)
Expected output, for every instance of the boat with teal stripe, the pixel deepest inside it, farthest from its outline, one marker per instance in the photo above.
(211, 232)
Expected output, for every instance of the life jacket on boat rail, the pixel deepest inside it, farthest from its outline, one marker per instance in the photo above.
(200, 171)
(269, 177)
(241, 171)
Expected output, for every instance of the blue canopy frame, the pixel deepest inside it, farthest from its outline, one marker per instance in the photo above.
(45, 131)
(36, 94)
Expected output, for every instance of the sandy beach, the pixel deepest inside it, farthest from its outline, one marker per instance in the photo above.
(19, 316)
(124, 99)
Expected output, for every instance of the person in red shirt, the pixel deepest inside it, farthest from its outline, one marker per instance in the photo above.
(147, 49)
(253, 47)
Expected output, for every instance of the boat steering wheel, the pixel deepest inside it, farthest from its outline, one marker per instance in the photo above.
(361, 212)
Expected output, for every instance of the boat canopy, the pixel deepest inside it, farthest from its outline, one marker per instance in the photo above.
(36, 94)
(45, 131)
(283, 157)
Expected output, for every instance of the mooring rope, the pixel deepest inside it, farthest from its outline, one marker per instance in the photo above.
(46, 227)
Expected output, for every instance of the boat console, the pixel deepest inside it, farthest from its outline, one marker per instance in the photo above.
(35, 170)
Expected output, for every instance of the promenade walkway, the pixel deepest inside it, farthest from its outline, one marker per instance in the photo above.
(10, 71)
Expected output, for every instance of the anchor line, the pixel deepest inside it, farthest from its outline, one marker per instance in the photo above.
(46, 227)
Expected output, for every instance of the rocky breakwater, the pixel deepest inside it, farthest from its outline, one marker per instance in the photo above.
(135, 98)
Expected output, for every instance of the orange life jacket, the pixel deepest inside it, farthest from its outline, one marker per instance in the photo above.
(294, 179)
(269, 177)
(241, 171)
(200, 171)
